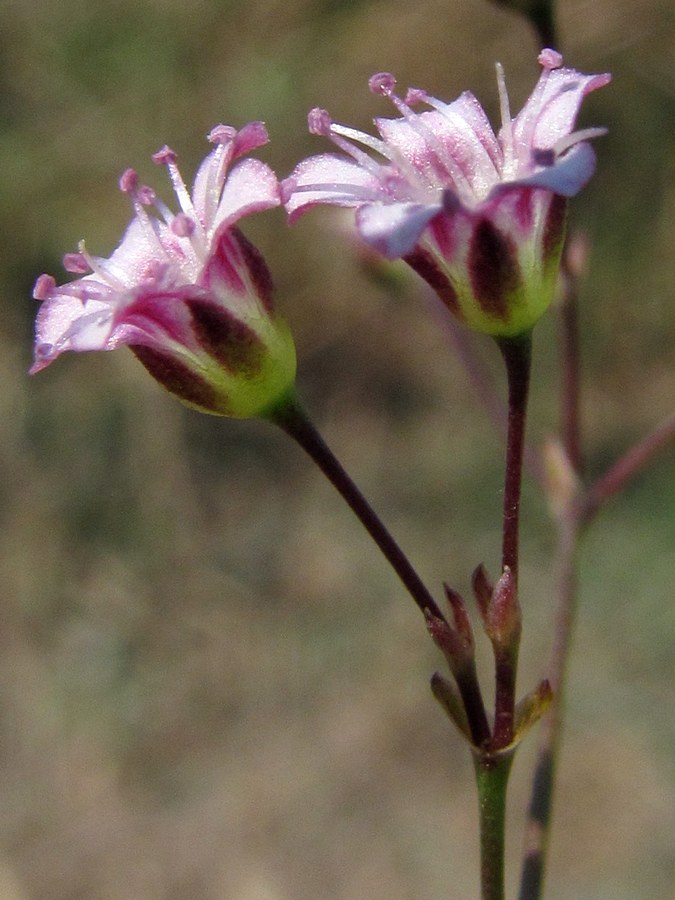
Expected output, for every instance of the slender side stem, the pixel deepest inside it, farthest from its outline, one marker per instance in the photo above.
(627, 466)
(517, 355)
(492, 775)
(570, 393)
(472, 698)
(291, 418)
(538, 828)
(539, 813)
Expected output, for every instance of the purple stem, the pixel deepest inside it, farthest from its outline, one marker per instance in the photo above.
(627, 466)
(570, 393)
(291, 418)
(483, 384)
(517, 353)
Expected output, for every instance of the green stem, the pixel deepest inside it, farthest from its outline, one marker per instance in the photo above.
(291, 418)
(492, 776)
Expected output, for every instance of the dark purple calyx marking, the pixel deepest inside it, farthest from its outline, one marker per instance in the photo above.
(178, 378)
(257, 268)
(226, 338)
(493, 269)
(554, 227)
(425, 265)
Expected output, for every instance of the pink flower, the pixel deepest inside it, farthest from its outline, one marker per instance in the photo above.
(186, 291)
(480, 217)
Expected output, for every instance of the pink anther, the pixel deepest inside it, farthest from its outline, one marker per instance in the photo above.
(319, 121)
(550, 59)
(382, 83)
(76, 263)
(44, 287)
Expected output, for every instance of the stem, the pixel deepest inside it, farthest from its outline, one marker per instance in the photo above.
(538, 828)
(517, 353)
(627, 466)
(539, 814)
(291, 418)
(481, 381)
(570, 374)
(492, 775)
(472, 698)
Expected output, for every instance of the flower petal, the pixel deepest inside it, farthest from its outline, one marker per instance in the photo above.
(64, 322)
(394, 229)
(250, 187)
(329, 178)
(552, 108)
(566, 176)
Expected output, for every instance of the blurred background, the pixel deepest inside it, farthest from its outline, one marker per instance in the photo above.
(211, 686)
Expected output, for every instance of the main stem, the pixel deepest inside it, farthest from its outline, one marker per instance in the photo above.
(493, 764)
(517, 353)
(292, 419)
(492, 776)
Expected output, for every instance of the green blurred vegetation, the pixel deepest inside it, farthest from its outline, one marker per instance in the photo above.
(194, 701)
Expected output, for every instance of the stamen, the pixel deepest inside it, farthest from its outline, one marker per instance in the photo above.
(222, 134)
(182, 225)
(145, 195)
(167, 157)
(219, 161)
(99, 267)
(164, 156)
(550, 59)
(543, 157)
(416, 95)
(507, 123)
(44, 286)
(76, 264)
(319, 122)
(141, 193)
(128, 181)
(569, 140)
(384, 83)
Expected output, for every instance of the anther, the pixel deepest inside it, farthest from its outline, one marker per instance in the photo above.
(128, 181)
(76, 264)
(222, 134)
(44, 286)
(319, 121)
(382, 83)
(550, 59)
(182, 225)
(165, 156)
(415, 96)
(542, 157)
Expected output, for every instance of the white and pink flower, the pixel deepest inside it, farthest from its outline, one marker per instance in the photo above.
(479, 216)
(185, 291)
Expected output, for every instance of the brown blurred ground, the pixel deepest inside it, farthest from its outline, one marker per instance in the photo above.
(211, 688)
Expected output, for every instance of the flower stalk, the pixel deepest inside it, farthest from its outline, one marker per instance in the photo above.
(290, 417)
(517, 355)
